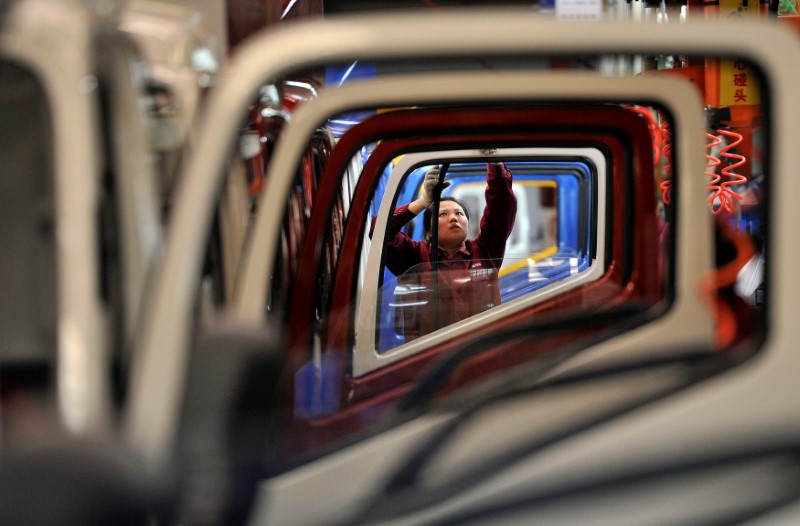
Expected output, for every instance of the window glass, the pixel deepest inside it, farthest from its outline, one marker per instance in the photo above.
(422, 300)
(549, 242)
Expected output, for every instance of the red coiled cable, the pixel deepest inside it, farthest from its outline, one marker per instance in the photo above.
(725, 194)
(666, 151)
(712, 162)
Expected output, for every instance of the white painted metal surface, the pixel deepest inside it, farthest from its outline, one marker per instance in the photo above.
(686, 324)
(161, 354)
(53, 40)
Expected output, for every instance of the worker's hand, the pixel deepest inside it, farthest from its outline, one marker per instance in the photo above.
(488, 152)
(431, 179)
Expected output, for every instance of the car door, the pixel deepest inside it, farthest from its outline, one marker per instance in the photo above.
(96, 214)
(371, 376)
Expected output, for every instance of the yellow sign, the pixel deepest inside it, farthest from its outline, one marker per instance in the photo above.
(738, 9)
(738, 86)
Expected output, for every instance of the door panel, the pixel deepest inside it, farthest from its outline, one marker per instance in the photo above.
(630, 273)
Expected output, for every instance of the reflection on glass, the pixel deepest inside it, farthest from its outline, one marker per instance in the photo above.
(421, 300)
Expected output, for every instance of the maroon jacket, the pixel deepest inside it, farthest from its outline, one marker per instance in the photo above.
(468, 283)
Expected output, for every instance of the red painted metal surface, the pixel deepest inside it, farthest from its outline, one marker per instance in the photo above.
(623, 134)
(246, 17)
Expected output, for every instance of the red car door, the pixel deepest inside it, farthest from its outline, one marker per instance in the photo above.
(322, 309)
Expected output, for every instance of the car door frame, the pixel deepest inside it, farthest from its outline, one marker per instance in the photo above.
(160, 357)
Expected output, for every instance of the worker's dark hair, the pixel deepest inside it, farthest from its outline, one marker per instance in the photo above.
(427, 216)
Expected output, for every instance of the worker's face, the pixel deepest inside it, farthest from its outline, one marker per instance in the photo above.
(453, 224)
